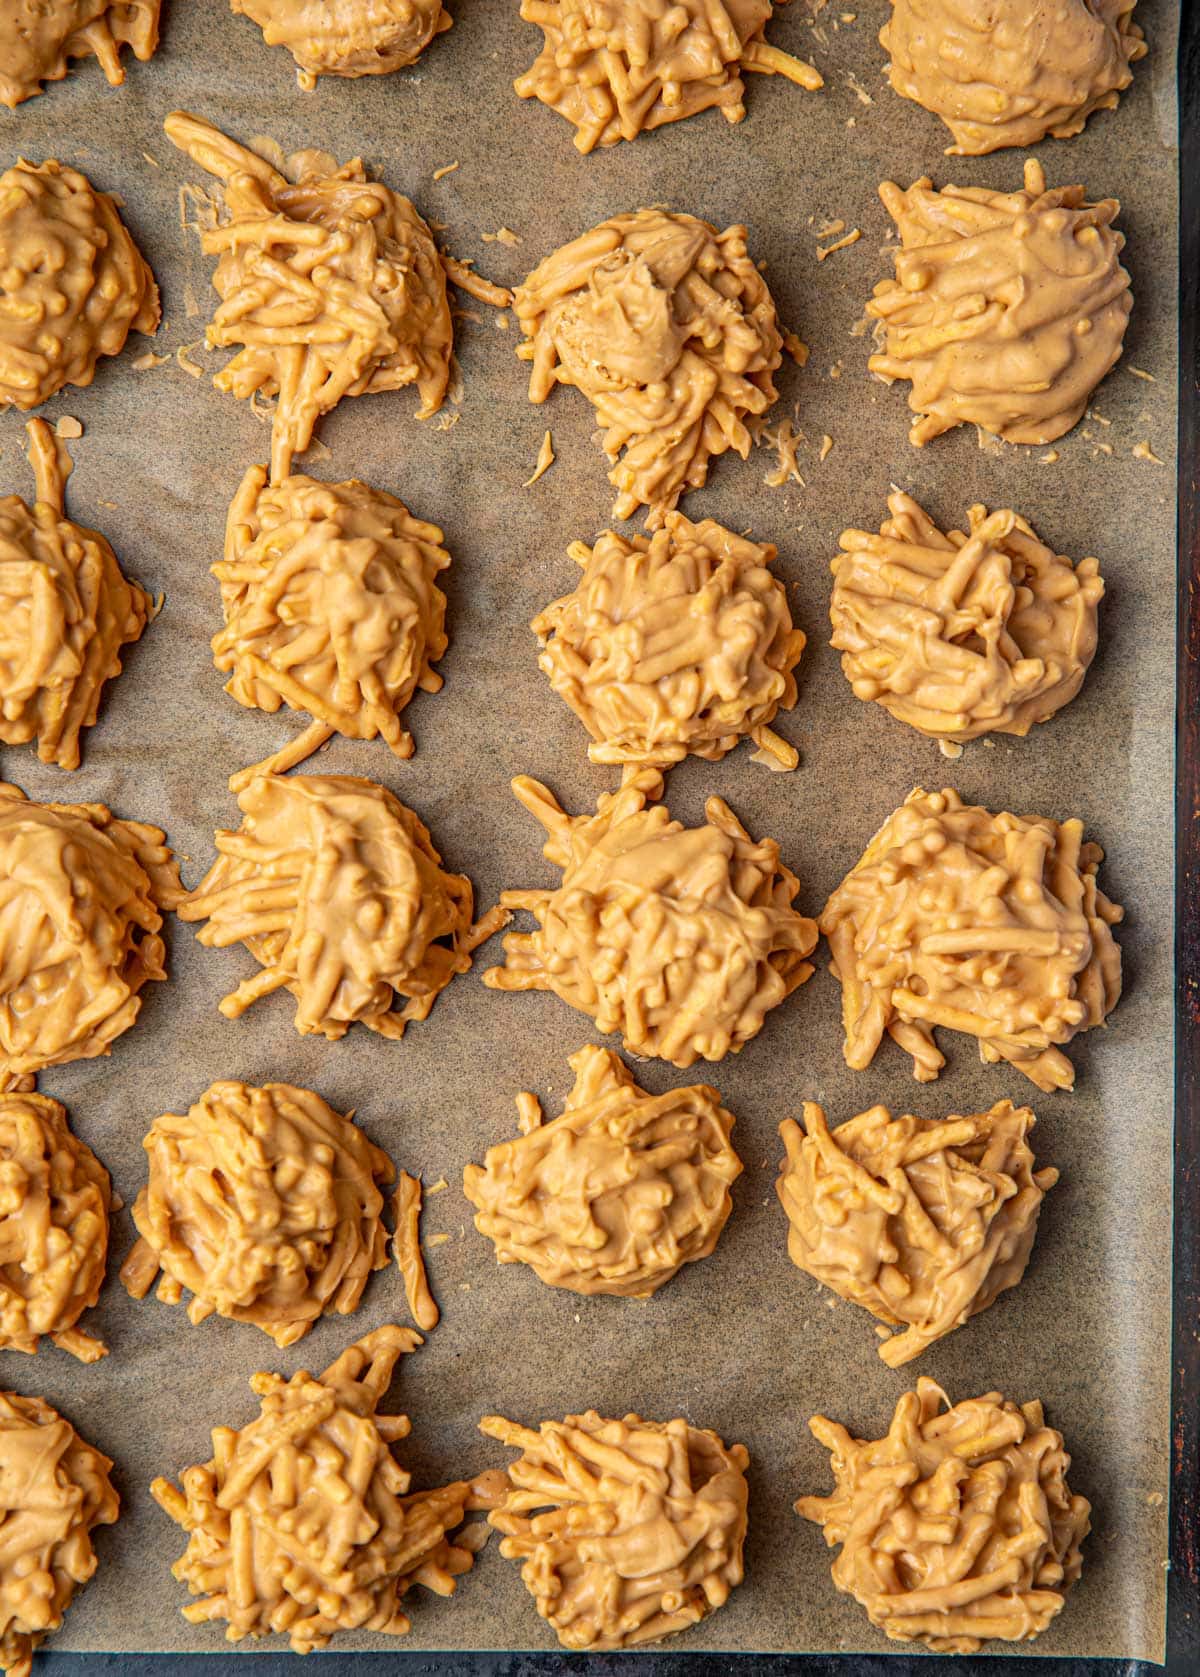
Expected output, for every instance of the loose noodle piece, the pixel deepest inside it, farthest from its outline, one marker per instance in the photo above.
(955, 1528)
(406, 1246)
(265, 1204)
(66, 610)
(82, 897)
(616, 1194)
(38, 37)
(55, 1200)
(989, 924)
(54, 1491)
(640, 1530)
(347, 37)
(964, 633)
(335, 888)
(999, 77)
(331, 605)
(669, 330)
(922, 1222)
(617, 68)
(681, 642)
(303, 1521)
(73, 284)
(1007, 308)
(681, 938)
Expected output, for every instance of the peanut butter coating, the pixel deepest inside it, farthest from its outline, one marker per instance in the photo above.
(630, 1530)
(681, 938)
(303, 1522)
(617, 68)
(669, 330)
(923, 1222)
(956, 1528)
(1007, 308)
(82, 897)
(994, 925)
(265, 1204)
(616, 1194)
(39, 37)
(73, 284)
(1007, 72)
(674, 644)
(54, 1491)
(68, 611)
(348, 37)
(335, 888)
(963, 633)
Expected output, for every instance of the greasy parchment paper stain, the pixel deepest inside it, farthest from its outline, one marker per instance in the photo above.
(1093, 1312)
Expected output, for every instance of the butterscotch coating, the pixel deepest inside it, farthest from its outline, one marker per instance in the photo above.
(333, 286)
(617, 68)
(38, 37)
(956, 1528)
(303, 1522)
(54, 1492)
(999, 74)
(68, 611)
(630, 1530)
(347, 37)
(616, 1194)
(994, 925)
(335, 888)
(73, 284)
(677, 643)
(55, 1200)
(986, 631)
(82, 898)
(331, 605)
(669, 330)
(265, 1204)
(1007, 308)
(681, 938)
(922, 1221)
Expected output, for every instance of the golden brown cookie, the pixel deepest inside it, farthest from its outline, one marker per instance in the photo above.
(68, 611)
(1007, 308)
(922, 1221)
(265, 1204)
(675, 643)
(59, 316)
(681, 938)
(616, 1194)
(1000, 74)
(983, 631)
(630, 1530)
(617, 68)
(80, 924)
(38, 37)
(347, 37)
(304, 1522)
(669, 330)
(990, 924)
(956, 1528)
(336, 890)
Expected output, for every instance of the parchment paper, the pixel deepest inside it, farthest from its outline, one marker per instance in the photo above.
(741, 1342)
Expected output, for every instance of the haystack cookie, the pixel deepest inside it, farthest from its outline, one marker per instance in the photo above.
(347, 37)
(38, 37)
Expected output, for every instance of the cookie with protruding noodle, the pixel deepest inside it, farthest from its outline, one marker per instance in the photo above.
(38, 38)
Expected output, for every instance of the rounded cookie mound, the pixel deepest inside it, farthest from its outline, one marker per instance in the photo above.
(348, 37)
(669, 330)
(73, 284)
(40, 36)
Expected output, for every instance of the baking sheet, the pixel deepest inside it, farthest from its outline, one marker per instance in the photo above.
(741, 1342)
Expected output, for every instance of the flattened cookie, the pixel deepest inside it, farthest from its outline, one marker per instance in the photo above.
(681, 938)
(617, 68)
(1007, 308)
(347, 37)
(38, 37)
(669, 330)
(1000, 74)
(630, 1530)
(616, 1194)
(58, 317)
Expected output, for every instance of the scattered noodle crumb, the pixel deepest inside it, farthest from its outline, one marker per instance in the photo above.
(796, 348)
(145, 362)
(69, 427)
(1049, 458)
(851, 238)
(502, 321)
(406, 1249)
(438, 1187)
(545, 460)
(183, 356)
(831, 228)
(1141, 451)
(826, 447)
(502, 236)
(1102, 448)
(447, 421)
(152, 161)
(785, 440)
(950, 748)
(437, 1240)
(1139, 372)
(859, 91)
(446, 169)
